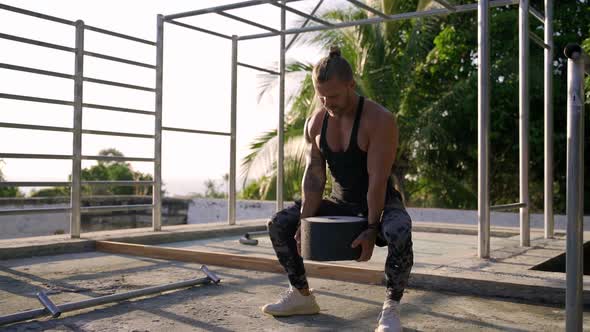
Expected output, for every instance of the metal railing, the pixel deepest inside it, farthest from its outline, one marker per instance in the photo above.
(77, 131)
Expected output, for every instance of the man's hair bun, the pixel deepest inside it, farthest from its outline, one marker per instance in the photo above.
(335, 51)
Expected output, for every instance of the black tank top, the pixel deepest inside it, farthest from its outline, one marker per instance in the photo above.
(350, 178)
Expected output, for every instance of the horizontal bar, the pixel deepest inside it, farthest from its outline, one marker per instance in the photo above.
(36, 99)
(34, 156)
(113, 208)
(368, 8)
(300, 13)
(193, 131)
(114, 158)
(117, 183)
(13, 212)
(35, 71)
(122, 85)
(116, 59)
(537, 14)
(258, 68)
(36, 42)
(315, 9)
(118, 109)
(115, 133)
(239, 19)
(35, 14)
(446, 4)
(35, 127)
(396, 17)
(219, 8)
(117, 297)
(120, 35)
(507, 207)
(188, 26)
(538, 40)
(33, 184)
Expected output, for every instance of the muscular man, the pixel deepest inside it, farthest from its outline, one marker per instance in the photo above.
(357, 138)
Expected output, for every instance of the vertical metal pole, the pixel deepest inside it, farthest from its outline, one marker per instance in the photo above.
(76, 190)
(483, 128)
(549, 220)
(232, 157)
(157, 188)
(523, 89)
(281, 129)
(575, 192)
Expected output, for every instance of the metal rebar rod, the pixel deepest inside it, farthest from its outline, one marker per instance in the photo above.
(117, 183)
(115, 133)
(157, 188)
(35, 42)
(548, 110)
(395, 17)
(284, 6)
(194, 131)
(281, 124)
(118, 109)
(446, 4)
(34, 156)
(483, 97)
(13, 212)
(113, 208)
(231, 215)
(92, 302)
(120, 35)
(35, 71)
(117, 59)
(575, 188)
(523, 92)
(35, 14)
(34, 184)
(192, 27)
(35, 127)
(118, 84)
(36, 99)
(537, 14)
(368, 8)
(259, 68)
(505, 207)
(76, 190)
(537, 40)
(307, 20)
(114, 158)
(243, 20)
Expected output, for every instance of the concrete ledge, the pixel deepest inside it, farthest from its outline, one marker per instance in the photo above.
(493, 288)
(62, 244)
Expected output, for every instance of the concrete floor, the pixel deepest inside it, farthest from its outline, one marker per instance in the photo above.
(234, 304)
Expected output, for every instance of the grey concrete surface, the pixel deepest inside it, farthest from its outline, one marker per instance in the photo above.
(234, 304)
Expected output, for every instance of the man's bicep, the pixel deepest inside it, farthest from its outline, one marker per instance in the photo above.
(381, 153)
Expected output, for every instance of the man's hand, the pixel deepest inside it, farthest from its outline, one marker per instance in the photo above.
(298, 240)
(367, 242)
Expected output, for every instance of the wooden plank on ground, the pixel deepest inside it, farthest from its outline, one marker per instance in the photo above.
(264, 264)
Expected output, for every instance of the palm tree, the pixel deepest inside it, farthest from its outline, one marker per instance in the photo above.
(382, 58)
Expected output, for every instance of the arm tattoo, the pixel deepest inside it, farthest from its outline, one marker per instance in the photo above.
(314, 178)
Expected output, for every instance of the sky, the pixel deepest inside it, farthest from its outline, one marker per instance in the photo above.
(197, 82)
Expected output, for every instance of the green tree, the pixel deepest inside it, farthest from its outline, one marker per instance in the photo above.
(8, 191)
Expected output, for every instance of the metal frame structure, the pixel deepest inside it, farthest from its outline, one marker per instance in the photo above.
(575, 127)
(482, 7)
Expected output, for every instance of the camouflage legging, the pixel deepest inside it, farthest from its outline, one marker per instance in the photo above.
(395, 232)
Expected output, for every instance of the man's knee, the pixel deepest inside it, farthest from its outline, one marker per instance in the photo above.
(397, 228)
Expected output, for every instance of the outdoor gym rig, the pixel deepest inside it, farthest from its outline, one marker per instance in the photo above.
(575, 104)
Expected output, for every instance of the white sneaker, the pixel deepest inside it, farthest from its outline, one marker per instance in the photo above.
(292, 302)
(389, 320)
